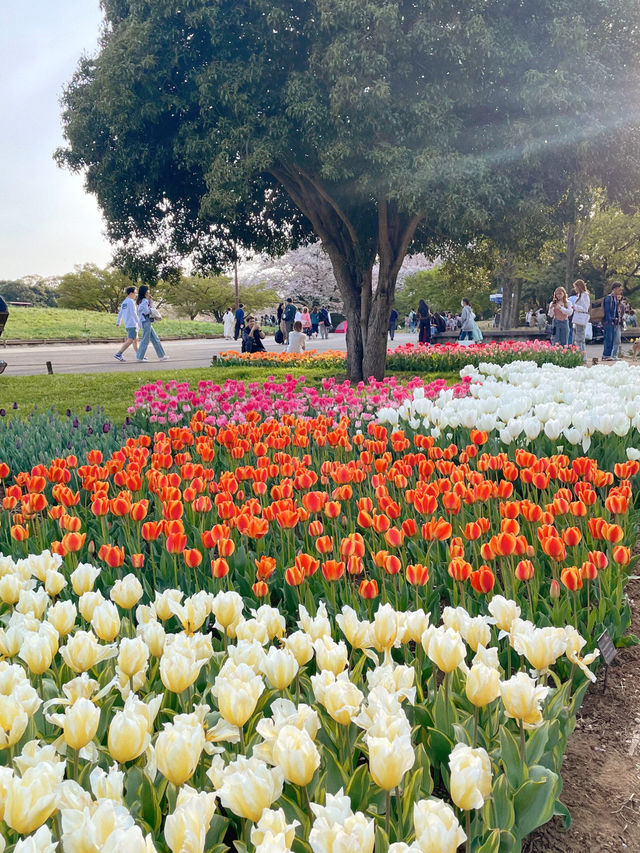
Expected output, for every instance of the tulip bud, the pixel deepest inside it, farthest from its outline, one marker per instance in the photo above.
(237, 691)
(62, 616)
(126, 592)
(295, 753)
(179, 747)
(83, 578)
(554, 589)
(470, 782)
(389, 760)
(81, 722)
(133, 656)
(280, 667)
(106, 621)
(482, 685)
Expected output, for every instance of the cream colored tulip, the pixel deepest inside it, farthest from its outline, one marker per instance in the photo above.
(15, 685)
(10, 588)
(179, 747)
(126, 592)
(249, 787)
(130, 840)
(274, 822)
(185, 830)
(145, 613)
(54, 583)
(340, 696)
(437, 827)
(193, 612)
(33, 602)
(13, 721)
(575, 644)
(337, 828)
(133, 656)
(387, 628)
(161, 602)
(39, 842)
(91, 829)
(154, 636)
(315, 626)
(504, 611)
(237, 691)
(280, 668)
(248, 630)
(39, 564)
(37, 653)
(81, 720)
(357, 633)
(489, 657)
(83, 578)
(284, 713)
(179, 665)
(455, 618)
(106, 621)
(88, 602)
(331, 656)
(249, 652)
(482, 685)
(389, 760)
(300, 645)
(470, 781)
(130, 729)
(272, 619)
(397, 680)
(446, 649)
(107, 786)
(295, 753)
(416, 623)
(541, 646)
(62, 616)
(522, 699)
(32, 798)
(227, 607)
(82, 651)
(477, 633)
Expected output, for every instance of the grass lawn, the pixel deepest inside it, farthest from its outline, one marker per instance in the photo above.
(65, 324)
(114, 391)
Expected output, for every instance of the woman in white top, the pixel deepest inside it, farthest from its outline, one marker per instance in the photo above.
(145, 313)
(228, 320)
(581, 308)
(297, 338)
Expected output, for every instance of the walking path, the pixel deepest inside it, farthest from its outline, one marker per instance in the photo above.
(31, 360)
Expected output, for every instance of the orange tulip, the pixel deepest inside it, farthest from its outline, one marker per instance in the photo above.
(409, 527)
(524, 570)
(459, 569)
(294, 576)
(599, 560)
(417, 574)
(613, 533)
(139, 510)
(265, 567)
(260, 589)
(113, 555)
(226, 547)
(482, 580)
(324, 544)
(176, 543)
(74, 541)
(151, 530)
(368, 589)
(192, 557)
(332, 570)
(19, 532)
(572, 536)
(219, 568)
(315, 528)
(571, 578)
(394, 537)
(392, 564)
(307, 564)
(621, 555)
(588, 571)
(137, 561)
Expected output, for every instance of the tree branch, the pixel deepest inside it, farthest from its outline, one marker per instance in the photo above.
(320, 189)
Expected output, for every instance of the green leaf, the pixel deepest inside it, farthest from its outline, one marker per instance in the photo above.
(510, 756)
(410, 794)
(382, 841)
(502, 796)
(534, 801)
(358, 788)
(150, 808)
(562, 811)
(536, 744)
(492, 844)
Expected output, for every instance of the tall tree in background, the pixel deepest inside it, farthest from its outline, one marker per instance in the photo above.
(374, 126)
(93, 289)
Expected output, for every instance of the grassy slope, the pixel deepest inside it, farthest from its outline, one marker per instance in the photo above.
(114, 391)
(62, 323)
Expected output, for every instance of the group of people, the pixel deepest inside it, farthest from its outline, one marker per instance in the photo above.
(294, 326)
(313, 323)
(570, 315)
(236, 325)
(427, 323)
(137, 312)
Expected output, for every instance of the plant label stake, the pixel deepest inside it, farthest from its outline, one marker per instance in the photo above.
(608, 652)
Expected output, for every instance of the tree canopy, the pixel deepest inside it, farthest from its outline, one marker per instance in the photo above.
(374, 126)
(93, 289)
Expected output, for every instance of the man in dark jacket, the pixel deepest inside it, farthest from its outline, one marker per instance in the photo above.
(289, 316)
(239, 321)
(612, 322)
(393, 322)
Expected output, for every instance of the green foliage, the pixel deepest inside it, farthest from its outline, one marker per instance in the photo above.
(37, 324)
(444, 286)
(93, 289)
(34, 289)
(611, 246)
(193, 295)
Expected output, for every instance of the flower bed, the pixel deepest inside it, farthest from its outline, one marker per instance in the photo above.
(437, 605)
(548, 405)
(432, 358)
(237, 401)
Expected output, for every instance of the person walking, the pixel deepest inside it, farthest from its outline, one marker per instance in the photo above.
(305, 319)
(146, 313)
(323, 323)
(289, 319)
(466, 321)
(424, 323)
(612, 322)
(228, 321)
(4, 316)
(412, 321)
(314, 320)
(128, 315)
(297, 338)
(581, 308)
(239, 321)
(393, 322)
(559, 312)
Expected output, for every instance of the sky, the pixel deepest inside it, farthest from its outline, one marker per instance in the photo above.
(48, 224)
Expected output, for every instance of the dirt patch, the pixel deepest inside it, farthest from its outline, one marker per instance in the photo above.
(601, 767)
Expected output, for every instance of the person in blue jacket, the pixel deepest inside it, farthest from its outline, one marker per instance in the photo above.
(239, 321)
(393, 322)
(612, 322)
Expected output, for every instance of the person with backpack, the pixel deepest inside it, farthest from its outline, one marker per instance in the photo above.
(393, 320)
(289, 316)
(323, 323)
(424, 320)
(440, 323)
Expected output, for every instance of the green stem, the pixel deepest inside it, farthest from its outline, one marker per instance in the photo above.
(387, 820)
(523, 754)
(468, 830)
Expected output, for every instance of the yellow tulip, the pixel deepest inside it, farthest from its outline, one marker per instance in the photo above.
(106, 621)
(82, 651)
(81, 720)
(483, 685)
(389, 760)
(126, 592)
(179, 747)
(133, 656)
(504, 611)
(445, 648)
(300, 645)
(331, 656)
(274, 822)
(162, 600)
(295, 753)
(249, 787)
(37, 653)
(470, 782)
(336, 827)
(88, 602)
(13, 721)
(340, 697)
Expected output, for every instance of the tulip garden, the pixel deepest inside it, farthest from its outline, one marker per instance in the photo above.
(281, 617)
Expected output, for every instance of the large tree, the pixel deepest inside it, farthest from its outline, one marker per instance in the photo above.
(93, 289)
(374, 126)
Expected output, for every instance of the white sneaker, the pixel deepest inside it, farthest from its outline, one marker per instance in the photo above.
(164, 358)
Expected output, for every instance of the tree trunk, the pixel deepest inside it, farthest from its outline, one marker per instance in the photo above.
(506, 311)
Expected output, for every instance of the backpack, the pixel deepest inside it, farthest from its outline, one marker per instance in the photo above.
(279, 337)
(441, 323)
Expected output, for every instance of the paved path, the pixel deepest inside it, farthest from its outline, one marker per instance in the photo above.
(98, 358)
